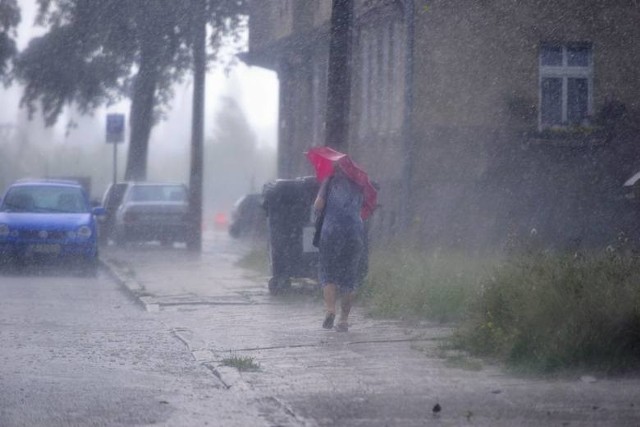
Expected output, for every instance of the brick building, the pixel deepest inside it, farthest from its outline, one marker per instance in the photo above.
(481, 119)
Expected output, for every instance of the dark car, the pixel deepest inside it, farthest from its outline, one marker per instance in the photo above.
(111, 201)
(248, 217)
(48, 221)
(150, 212)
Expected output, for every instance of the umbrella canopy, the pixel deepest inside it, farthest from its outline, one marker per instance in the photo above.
(324, 159)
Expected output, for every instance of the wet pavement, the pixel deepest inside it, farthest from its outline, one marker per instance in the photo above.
(380, 373)
(76, 352)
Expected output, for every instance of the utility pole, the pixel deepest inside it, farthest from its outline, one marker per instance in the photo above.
(194, 238)
(339, 79)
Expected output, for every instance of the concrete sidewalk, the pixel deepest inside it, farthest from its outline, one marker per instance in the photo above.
(379, 373)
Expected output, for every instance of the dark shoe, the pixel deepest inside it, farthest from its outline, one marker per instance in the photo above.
(328, 321)
(342, 327)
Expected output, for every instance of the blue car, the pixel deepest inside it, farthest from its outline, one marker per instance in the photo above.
(48, 221)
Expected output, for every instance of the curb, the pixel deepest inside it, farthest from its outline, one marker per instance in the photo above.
(228, 377)
(131, 286)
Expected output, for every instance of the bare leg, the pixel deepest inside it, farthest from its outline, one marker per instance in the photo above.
(345, 305)
(330, 292)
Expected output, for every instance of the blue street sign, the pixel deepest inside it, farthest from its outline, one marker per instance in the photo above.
(115, 128)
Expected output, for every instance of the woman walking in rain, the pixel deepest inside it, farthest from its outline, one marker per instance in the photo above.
(344, 198)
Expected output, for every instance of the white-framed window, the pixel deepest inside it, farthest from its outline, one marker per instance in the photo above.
(566, 84)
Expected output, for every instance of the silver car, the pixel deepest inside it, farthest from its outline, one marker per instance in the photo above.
(152, 212)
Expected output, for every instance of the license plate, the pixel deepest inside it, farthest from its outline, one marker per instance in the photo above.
(45, 249)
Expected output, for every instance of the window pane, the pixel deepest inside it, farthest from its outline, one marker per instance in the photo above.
(551, 55)
(578, 56)
(577, 100)
(551, 102)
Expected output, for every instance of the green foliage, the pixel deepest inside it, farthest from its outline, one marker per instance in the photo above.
(98, 51)
(538, 310)
(232, 157)
(94, 48)
(257, 259)
(412, 284)
(549, 311)
(241, 363)
(9, 20)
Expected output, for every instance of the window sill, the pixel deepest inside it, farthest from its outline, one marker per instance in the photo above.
(588, 137)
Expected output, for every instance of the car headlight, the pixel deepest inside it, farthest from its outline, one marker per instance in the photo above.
(84, 232)
(4, 230)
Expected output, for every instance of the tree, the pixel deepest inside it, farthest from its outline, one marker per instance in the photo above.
(9, 20)
(98, 51)
(238, 164)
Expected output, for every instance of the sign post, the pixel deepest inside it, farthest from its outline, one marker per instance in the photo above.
(115, 136)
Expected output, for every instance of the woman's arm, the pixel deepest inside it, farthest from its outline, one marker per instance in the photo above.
(318, 205)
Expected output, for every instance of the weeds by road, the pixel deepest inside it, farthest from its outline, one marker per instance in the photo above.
(404, 283)
(257, 259)
(241, 363)
(538, 311)
(547, 312)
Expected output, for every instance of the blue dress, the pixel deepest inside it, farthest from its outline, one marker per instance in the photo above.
(342, 236)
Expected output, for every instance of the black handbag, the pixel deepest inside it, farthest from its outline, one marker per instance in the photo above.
(316, 235)
(320, 218)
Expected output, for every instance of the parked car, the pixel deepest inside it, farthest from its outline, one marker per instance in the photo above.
(49, 221)
(151, 212)
(111, 201)
(248, 217)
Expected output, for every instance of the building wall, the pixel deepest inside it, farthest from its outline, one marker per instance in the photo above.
(273, 20)
(302, 110)
(378, 105)
(480, 172)
(473, 58)
(478, 178)
(377, 95)
(269, 21)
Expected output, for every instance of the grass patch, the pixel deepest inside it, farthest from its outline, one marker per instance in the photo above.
(257, 259)
(537, 312)
(547, 312)
(411, 284)
(241, 363)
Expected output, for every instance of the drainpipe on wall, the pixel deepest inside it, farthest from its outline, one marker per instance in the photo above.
(407, 127)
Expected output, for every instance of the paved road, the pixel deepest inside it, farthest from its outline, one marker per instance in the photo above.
(380, 373)
(81, 352)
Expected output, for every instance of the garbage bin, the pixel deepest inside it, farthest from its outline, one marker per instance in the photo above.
(288, 204)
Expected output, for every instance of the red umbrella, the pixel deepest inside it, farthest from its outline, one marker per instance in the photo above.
(323, 160)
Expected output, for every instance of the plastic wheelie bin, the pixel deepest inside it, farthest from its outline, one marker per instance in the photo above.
(289, 208)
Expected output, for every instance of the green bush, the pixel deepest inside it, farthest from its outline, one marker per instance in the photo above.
(549, 311)
(538, 311)
(256, 259)
(411, 284)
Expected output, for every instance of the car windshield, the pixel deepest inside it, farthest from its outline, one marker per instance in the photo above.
(158, 193)
(44, 199)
